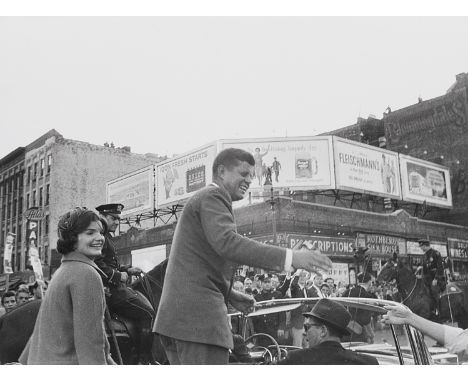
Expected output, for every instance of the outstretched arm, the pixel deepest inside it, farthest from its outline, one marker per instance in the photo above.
(400, 315)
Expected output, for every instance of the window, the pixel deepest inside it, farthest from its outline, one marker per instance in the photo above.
(33, 199)
(27, 201)
(20, 205)
(47, 225)
(47, 195)
(40, 197)
(35, 171)
(49, 162)
(29, 175)
(42, 166)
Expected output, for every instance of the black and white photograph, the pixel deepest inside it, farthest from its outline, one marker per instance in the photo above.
(248, 184)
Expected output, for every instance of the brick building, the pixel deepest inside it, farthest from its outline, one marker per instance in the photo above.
(56, 174)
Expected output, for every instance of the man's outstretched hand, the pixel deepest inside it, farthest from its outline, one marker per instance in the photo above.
(311, 260)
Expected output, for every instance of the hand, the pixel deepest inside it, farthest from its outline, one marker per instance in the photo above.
(134, 271)
(434, 282)
(123, 277)
(242, 302)
(460, 343)
(397, 315)
(311, 260)
(280, 333)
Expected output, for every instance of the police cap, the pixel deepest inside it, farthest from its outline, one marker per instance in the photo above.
(110, 209)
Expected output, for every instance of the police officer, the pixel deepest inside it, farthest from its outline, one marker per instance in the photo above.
(433, 269)
(123, 300)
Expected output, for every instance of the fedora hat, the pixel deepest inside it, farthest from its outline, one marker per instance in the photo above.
(331, 313)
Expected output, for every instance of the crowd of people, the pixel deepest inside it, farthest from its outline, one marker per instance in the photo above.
(21, 294)
(191, 317)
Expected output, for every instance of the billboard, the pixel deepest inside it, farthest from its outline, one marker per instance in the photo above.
(366, 169)
(300, 163)
(134, 190)
(423, 181)
(179, 178)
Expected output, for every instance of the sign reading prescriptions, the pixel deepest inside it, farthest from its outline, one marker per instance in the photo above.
(423, 181)
(179, 178)
(332, 246)
(301, 163)
(134, 191)
(366, 169)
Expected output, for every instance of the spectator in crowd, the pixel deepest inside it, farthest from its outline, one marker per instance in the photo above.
(298, 290)
(38, 289)
(283, 288)
(9, 300)
(247, 283)
(331, 285)
(314, 290)
(69, 328)
(454, 339)
(237, 285)
(22, 296)
(325, 290)
(361, 319)
(324, 326)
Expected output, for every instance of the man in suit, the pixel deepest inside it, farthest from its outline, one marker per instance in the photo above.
(324, 326)
(192, 316)
(362, 317)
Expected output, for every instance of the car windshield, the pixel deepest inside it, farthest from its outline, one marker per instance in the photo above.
(282, 322)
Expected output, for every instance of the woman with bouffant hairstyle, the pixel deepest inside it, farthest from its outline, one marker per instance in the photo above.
(69, 328)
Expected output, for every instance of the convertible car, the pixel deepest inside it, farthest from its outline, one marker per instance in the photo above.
(258, 340)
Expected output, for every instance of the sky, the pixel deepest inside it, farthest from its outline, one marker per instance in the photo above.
(167, 85)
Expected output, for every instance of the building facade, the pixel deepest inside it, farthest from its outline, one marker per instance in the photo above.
(53, 175)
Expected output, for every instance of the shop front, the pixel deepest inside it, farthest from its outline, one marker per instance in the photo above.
(458, 254)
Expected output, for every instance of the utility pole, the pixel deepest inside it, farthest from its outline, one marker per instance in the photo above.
(273, 214)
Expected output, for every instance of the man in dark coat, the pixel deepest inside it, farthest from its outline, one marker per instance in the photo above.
(324, 325)
(360, 316)
(206, 251)
(123, 300)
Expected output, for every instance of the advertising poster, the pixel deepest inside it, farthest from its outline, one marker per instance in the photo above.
(178, 178)
(289, 163)
(366, 169)
(135, 191)
(424, 181)
(36, 263)
(7, 265)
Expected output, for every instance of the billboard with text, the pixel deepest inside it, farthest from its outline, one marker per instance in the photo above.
(300, 163)
(423, 181)
(179, 178)
(134, 190)
(366, 169)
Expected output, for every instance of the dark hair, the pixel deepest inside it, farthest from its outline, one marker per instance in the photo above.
(231, 157)
(8, 293)
(71, 225)
(329, 278)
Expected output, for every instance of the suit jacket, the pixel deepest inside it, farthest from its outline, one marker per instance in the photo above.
(70, 325)
(363, 317)
(297, 319)
(327, 353)
(205, 253)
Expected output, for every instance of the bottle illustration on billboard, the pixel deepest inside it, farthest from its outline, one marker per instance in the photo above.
(306, 165)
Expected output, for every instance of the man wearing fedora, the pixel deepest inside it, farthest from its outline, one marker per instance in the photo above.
(324, 326)
(123, 300)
